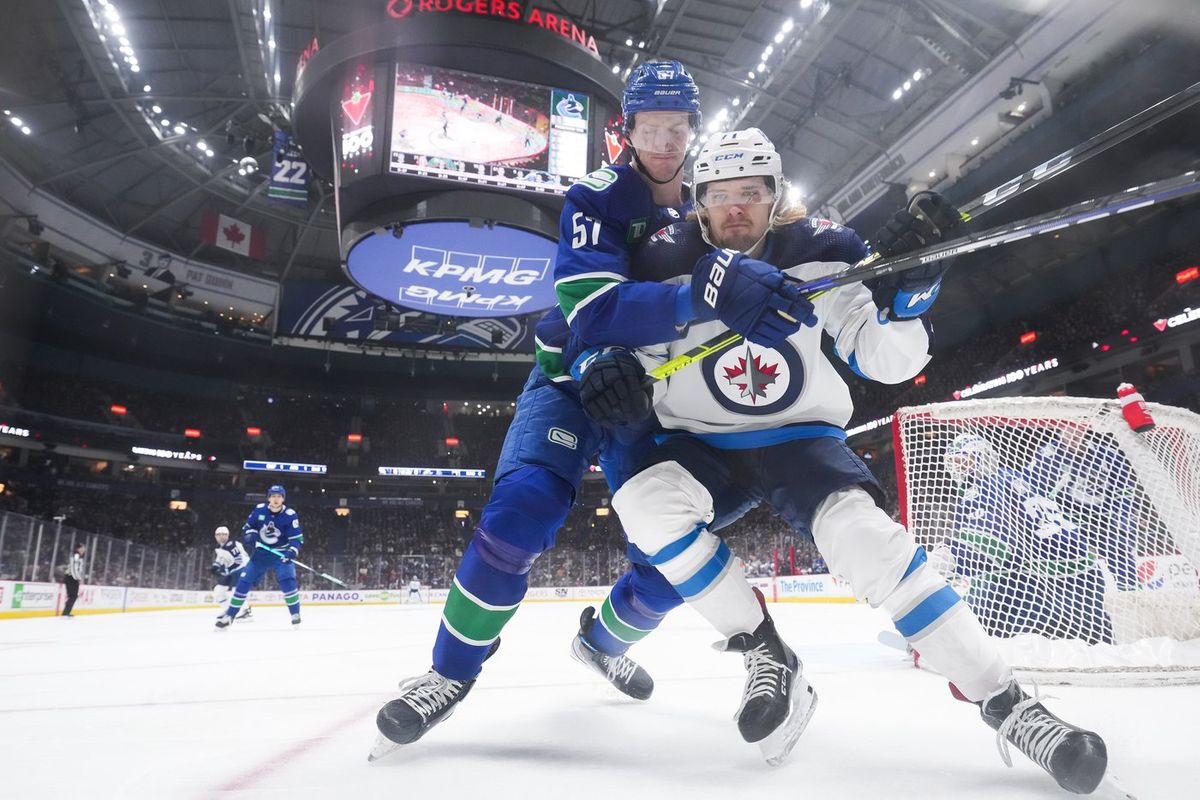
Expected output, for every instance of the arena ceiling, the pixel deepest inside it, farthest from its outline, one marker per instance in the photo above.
(219, 74)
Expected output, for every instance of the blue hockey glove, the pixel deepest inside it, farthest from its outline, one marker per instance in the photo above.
(749, 296)
(286, 554)
(250, 540)
(929, 219)
(613, 387)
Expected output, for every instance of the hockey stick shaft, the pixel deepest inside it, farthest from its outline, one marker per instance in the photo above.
(302, 565)
(1113, 136)
(1087, 211)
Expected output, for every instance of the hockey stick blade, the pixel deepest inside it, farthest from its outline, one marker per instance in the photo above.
(872, 267)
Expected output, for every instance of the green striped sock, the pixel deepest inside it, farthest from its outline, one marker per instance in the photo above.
(236, 602)
(472, 620)
(618, 627)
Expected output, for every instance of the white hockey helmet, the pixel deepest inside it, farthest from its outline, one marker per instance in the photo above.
(745, 153)
(970, 456)
(221, 530)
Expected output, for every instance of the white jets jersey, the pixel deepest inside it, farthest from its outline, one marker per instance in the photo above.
(751, 388)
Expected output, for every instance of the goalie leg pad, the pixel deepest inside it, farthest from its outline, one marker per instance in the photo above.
(887, 569)
(665, 511)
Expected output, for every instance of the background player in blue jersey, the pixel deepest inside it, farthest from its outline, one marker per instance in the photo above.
(551, 442)
(763, 423)
(229, 562)
(1095, 487)
(1030, 569)
(270, 525)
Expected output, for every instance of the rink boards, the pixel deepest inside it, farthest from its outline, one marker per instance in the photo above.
(34, 599)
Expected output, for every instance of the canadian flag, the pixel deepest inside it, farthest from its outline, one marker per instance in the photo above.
(233, 235)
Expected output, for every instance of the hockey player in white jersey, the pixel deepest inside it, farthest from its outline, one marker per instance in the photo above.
(763, 423)
(414, 590)
(229, 561)
(1030, 569)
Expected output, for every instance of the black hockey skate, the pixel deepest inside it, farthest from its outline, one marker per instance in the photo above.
(296, 619)
(223, 622)
(777, 702)
(621, 671)
(426, 700)
(1075, 758)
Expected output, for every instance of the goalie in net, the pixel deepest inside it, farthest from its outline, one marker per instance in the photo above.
(1073, 537)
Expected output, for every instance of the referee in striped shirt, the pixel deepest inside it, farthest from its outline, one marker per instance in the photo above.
(74, 578)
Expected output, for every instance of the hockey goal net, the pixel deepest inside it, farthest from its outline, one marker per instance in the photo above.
(1075, 539)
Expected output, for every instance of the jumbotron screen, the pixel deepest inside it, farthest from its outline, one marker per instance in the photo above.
(474, 129)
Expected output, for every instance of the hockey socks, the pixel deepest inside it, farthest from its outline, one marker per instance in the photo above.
(635, 606)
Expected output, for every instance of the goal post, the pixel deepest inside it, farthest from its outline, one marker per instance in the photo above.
(1086, 572)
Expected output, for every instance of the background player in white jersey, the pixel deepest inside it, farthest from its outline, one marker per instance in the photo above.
(229, 560)
(1030, 569)
(414, 590)
(765, 424)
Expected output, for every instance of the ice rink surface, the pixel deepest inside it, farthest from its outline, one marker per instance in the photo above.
(157, 705)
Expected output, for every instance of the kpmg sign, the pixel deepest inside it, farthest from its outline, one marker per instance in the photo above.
(458, 270)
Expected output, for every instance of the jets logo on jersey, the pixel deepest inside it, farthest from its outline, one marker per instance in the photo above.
(819, 225)
(755, 380)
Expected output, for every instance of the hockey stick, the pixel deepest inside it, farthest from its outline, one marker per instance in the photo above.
(1113, 136)
(302, 565)
(1087, 211)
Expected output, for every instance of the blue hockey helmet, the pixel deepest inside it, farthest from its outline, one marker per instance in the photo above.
(660, 86)
(277, 489)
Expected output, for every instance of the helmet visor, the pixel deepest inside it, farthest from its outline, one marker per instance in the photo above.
(735, 196)
(661, 132)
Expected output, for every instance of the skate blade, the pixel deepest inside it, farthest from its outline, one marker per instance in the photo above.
(382, 748)
(780, 742)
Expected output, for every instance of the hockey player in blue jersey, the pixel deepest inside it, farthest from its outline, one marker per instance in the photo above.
(228, 564)
(270, 526)
(551, 442)
(763, 422)
(1094, 485)
(1030, 569)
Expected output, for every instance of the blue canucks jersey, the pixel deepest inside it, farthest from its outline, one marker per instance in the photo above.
(275, 529)
(1092, 480)
(1002, 525)
(607, 215)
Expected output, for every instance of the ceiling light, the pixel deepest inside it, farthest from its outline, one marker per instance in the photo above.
(26, 130)
(768, 52)
(737, 101)
(271, 43)
(896, 94)
(179, 129)
(118, 29)
(794, 195)
(166, 123)
(16, 121)
(907, 85)
(146, 88)
(723, 113)
(267, 12)
(806, 4)
(1021, 108)
(751, 74)
(975, 141)
(629, 41)
(134, 68)
(616, 68)
(277, 77)
(779, 38)
(111, 13)
(203, 145)
(157, 109)
(788, 25)
(762, 67)
(641, 44)
(123, 41)
(918, 75)
(933, 173)
(712, 125)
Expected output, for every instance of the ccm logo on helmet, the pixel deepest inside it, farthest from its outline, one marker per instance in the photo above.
(716, 276)
(727, 156)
